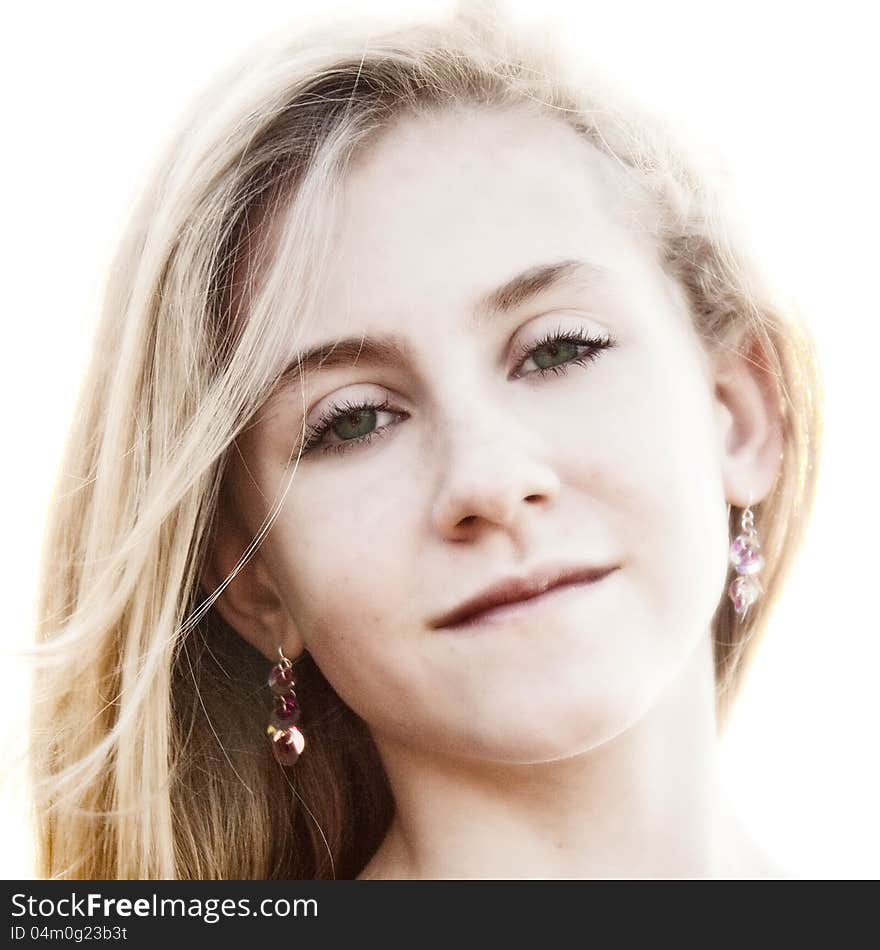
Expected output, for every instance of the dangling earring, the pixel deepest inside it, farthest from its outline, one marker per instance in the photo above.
(746, 557)
(287, 741)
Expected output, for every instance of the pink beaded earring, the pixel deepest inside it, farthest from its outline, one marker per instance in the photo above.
(287, 741)
(746, 557)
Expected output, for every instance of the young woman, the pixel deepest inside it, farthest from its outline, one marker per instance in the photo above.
(433, 381)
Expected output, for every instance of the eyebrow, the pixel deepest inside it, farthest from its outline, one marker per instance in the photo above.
(390, 351)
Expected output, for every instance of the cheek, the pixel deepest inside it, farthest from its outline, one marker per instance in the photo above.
(648, 454)
(347, 588)
(346, 568)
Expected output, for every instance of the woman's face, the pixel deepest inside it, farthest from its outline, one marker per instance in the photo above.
(471, 466)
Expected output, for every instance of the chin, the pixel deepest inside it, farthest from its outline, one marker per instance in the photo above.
(534, 736)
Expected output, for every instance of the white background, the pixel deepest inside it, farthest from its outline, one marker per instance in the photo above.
(785, 92)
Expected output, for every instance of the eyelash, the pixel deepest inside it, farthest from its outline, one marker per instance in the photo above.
(595, 345)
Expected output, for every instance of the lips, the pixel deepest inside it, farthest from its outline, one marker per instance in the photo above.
(513, 590)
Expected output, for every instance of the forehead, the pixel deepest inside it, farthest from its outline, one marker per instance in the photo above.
(444, 206)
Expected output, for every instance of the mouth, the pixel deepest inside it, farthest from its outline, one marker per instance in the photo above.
(528, 606)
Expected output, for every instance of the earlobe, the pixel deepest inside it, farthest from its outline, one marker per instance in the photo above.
(751, 422)
(249, 600)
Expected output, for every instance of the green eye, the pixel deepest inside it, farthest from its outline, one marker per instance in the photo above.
(560, 348)
(354, 422)
(350, 423)
(554, 353)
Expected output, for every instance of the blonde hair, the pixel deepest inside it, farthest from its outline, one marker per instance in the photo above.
(148, 750)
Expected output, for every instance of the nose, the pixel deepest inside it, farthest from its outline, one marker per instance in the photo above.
(492, 474)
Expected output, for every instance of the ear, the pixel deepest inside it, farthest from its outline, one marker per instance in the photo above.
(750, 417)
(250, 602)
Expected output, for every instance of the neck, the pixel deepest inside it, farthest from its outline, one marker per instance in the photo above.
(644, 804)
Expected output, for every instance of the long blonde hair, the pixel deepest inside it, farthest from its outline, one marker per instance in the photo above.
(148, 750)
